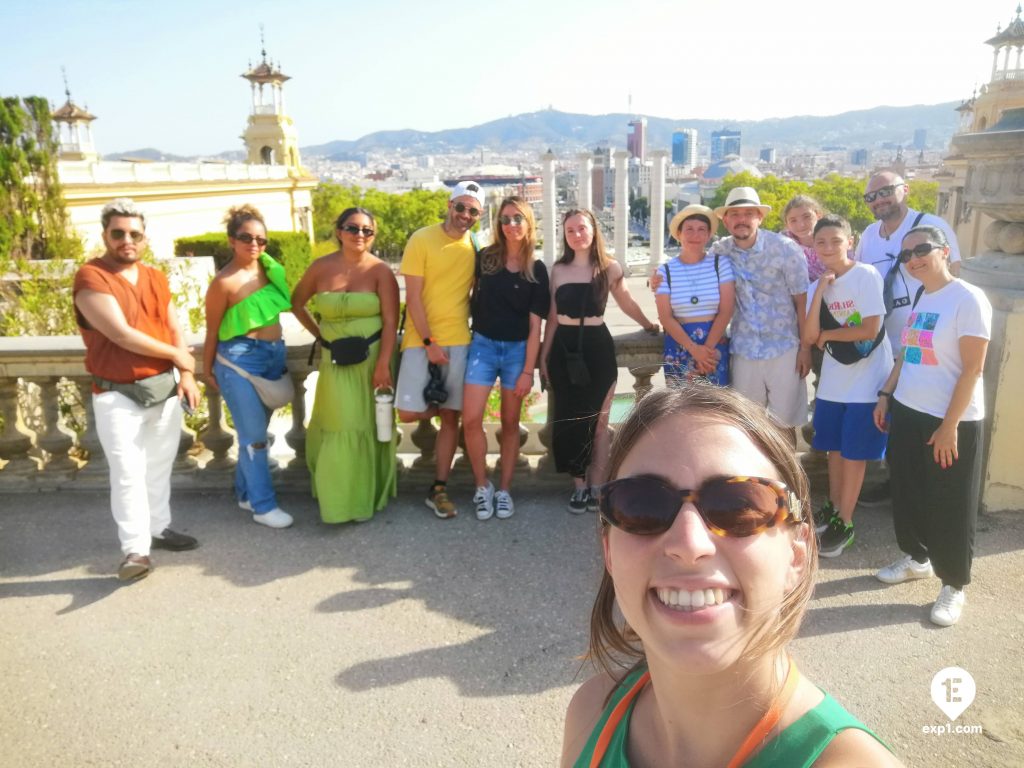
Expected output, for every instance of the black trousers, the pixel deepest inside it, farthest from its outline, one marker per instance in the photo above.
(934, 510)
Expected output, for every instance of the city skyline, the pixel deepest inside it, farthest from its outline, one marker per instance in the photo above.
(171, 78)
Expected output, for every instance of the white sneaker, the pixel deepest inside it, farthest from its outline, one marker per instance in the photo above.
(503, 506)
(483, 500)
(245, 505)
(947, 609)
(275, 518)
(905, 569)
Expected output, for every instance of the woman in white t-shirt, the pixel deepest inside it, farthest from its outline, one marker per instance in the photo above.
(695, 295)
(935, 424)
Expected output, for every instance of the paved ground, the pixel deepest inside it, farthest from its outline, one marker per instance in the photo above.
(409, 641)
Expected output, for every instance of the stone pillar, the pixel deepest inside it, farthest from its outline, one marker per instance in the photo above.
(549, 208)
(56, 439)
(15, 439)
(585, 197)
(657, 224)
(621, 207)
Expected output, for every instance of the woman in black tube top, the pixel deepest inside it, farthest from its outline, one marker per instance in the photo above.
(580, 283)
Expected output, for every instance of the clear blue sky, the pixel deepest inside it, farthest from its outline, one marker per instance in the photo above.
(166, 74)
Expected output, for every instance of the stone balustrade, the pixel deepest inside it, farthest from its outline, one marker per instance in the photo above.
(39, 449)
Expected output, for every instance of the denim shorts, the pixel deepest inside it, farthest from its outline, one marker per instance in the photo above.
(490, 360)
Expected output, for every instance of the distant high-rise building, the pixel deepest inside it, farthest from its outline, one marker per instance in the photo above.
(636, 139)
(684, 147)
(859, 157)
(767, 155)
(920, 138)
(724, 142)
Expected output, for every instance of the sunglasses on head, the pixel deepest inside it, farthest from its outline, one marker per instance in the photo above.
(124, 234)
(919, 250)
(517, 219)
(883, 192)
(730, 506)
(462, 208)
(352, 229)
(245, 237)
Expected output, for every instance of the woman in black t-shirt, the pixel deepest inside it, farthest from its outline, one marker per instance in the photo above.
(510, 299)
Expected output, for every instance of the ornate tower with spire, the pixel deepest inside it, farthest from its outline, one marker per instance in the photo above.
(270, 137)
(73, 124)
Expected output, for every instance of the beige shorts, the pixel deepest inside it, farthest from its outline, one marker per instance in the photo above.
(775, 384)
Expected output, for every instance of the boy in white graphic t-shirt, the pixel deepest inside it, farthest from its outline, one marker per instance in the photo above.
(845, 309)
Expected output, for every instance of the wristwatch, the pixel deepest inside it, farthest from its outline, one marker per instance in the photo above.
(427, 341)
(883, 393)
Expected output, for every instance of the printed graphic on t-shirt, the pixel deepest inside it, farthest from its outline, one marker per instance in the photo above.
(918, 344)
(845, 311)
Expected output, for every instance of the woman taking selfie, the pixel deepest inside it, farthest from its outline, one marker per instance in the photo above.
(710, 558)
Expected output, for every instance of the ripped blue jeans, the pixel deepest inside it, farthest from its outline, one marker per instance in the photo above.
(250, 416)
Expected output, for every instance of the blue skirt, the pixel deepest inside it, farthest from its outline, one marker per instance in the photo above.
(680, 366)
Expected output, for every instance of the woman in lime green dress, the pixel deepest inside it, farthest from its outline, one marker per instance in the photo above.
(356, 295)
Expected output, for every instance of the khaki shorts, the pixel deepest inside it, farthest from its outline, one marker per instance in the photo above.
(413, 377)
(775, 384)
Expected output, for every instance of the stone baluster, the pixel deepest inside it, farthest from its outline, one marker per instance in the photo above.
(424, 438)
(16, 439)
(55, 438)
(296, 434)
(96, 466)
(547, 460)
(216, 438)
(184, 462)
(642, 375)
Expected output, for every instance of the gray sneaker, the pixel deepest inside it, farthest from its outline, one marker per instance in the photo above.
(483, 500)
(578, 500)
(503, 506)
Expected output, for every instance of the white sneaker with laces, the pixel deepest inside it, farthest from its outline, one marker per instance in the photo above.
(483, 500)
(503, 506)
(905, 569)
(275, 518)
(947, 609)
(245, 505)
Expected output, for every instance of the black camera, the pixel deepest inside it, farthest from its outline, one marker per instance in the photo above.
(435, 393)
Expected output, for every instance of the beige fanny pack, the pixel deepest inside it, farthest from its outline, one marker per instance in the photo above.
(274, 393)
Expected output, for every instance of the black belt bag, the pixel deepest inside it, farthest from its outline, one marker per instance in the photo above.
(351, 350)
(147, 392)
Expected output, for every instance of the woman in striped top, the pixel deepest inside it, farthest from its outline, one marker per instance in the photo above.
(695, 298)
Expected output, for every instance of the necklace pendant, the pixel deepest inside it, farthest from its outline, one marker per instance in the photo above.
(694, 300)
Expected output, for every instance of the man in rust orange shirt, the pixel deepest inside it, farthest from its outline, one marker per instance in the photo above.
(133, 347)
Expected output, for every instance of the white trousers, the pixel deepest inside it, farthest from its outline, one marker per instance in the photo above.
(140, 445)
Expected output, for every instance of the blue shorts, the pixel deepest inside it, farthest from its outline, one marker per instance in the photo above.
(848, 428)
(490, 360)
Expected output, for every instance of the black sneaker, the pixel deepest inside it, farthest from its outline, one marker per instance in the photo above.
(876, 495)
(578, 501)
(592, 497)
(174, 541)
(823, 517)
(837, 537)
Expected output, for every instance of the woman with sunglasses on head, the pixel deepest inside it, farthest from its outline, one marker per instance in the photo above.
(243, 331)
(933, 405)
(578, 355)
(695, 301)
(353, 474)
(510, 300)
(710, 559)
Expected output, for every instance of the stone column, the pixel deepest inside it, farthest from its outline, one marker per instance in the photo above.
(549, 208)
(15, 438)
(585, 197)
(621, 207)
(657, 223)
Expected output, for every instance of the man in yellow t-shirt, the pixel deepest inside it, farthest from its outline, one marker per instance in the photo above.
(438, 266)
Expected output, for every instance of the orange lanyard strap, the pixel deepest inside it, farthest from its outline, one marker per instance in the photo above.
(615, 718)
(769, 720)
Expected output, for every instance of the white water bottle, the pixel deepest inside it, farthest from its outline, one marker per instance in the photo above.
(384, 411)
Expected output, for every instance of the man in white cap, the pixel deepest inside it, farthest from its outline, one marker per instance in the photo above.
(438, 266)
(769, 365)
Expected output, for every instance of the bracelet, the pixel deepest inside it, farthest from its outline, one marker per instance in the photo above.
(883, 393)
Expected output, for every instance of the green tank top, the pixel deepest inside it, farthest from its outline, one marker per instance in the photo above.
(259, 308)
(798, 746)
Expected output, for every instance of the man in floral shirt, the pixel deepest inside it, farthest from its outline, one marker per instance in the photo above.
(768, 363)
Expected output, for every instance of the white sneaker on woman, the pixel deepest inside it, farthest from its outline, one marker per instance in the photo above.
(905, 569)
(947, 609)
(483, 500)
(275, 518)
(503, 506)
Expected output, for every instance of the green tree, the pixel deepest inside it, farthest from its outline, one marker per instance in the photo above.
(33, 218)
(397, 215)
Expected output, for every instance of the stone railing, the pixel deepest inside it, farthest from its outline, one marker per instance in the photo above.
(39, 450)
